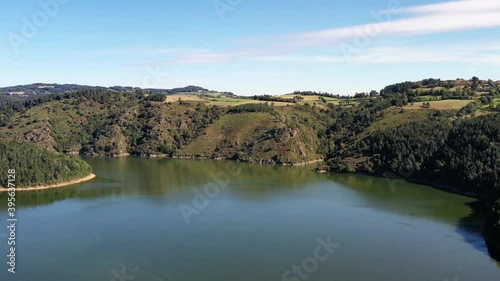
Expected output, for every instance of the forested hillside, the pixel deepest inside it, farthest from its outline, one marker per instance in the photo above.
(139, 123)
(445, 133)
(462, 153)
(38, 167)
(301, 127)
(40, 89)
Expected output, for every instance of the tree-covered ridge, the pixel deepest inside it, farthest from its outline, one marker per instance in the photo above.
(450, 89)
(464, 153)
(109, 123)
(39, 167)
(46, 89)
(452, 139)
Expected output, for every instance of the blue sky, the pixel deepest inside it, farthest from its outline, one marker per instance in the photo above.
(248, 46)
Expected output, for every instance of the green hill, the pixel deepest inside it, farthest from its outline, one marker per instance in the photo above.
(444, 133)
(111, 124)
(290, 129)
(38, 167)
(40, 89)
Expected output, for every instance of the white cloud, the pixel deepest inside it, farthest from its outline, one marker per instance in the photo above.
(467, 6)
(451, 16)
(479, 53)
(178, 51)
(426, 19)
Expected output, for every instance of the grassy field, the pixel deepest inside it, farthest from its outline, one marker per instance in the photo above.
(312, 100)
(394, 117)
(237, 127)
(236, 101)
(440, 105)
(184, 97)
(229, 101)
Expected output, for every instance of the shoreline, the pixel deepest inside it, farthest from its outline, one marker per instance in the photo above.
(428, 183)
(299, 164)
(431, 184)
(45, 187)
(184, 157)
(448, 189)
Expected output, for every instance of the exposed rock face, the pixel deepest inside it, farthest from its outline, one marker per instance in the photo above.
(111, 141)
(39, 135)
(492, 231)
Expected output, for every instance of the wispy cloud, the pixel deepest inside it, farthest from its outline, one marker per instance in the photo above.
(473, 54)
(465, 7)
(424, 19)
(204, 58)
(147, 52)
(170, 51)
(451, 16)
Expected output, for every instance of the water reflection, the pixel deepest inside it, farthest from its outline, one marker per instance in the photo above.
(132, 176)
(127, 178)
(414, 200)
(267, 217)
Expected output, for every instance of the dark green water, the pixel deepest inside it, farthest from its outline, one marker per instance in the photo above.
(137, 221)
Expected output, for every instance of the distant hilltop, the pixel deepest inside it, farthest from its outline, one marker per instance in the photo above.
(39, 89)
(426, 86)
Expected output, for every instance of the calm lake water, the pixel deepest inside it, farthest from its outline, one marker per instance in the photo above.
(176, 220)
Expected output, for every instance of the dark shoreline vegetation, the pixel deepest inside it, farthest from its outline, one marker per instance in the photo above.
(37, 167)
(442, 133)
(492, 230)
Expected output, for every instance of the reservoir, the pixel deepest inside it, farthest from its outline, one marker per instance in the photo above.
(189, 220)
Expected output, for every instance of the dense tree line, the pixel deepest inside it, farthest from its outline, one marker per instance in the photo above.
(472, 153)
(464, 154)
(400, 88)
(39, 89)
(35, 166)
(313, 93)
(253, 107)
(47, 89)
(188, 89)
(435, 89)
(270, 98)
(405, 148)
(156, 97)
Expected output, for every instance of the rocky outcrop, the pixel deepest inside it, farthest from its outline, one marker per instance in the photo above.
(38, 135)
(110, 142)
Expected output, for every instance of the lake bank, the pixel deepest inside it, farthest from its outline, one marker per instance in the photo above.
(442, 187)
(44, 187)
(429, 183)
(267, 162)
